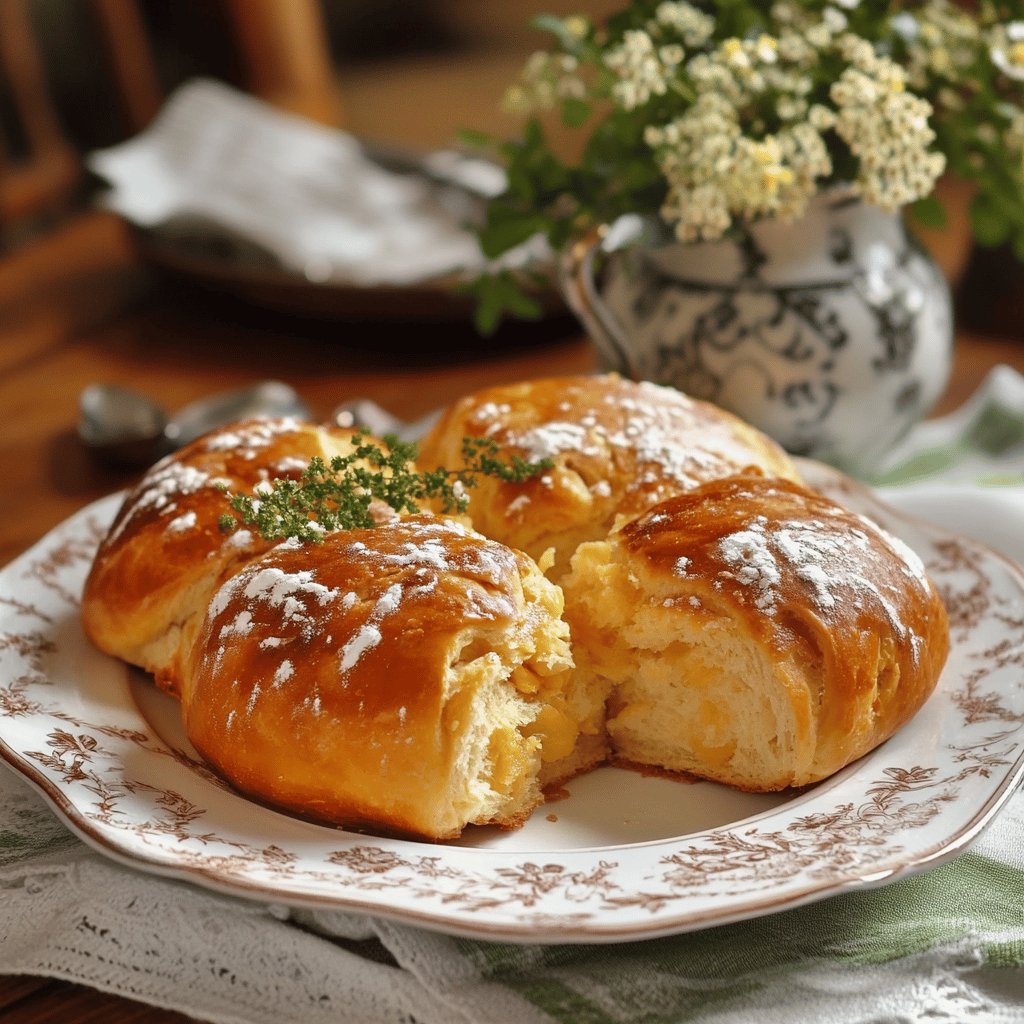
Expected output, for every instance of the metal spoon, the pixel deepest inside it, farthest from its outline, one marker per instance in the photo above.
(130, 428)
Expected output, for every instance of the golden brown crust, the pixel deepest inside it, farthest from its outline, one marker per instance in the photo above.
(618, 447)
(851, 632)
(353, 681)
(165, 553)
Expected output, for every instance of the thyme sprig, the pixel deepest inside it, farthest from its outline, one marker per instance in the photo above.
(339, 495)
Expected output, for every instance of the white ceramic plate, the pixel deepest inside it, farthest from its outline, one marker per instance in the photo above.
(623, 857)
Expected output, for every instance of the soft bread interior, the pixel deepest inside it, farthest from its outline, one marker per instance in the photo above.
(523, 719)
(690, 691)
(755, 633)
(501, 696)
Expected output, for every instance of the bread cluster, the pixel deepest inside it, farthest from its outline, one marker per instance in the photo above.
(700, 610)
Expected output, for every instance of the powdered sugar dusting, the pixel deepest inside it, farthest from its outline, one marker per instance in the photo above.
(551, 439)
(490, 411)
(912, 566)
(365, 638)
(282, 590)
(240, 625)
(750, 555)
(669, 442)
(831, 564)
(819, 581)
(375, 576)
(291, 464)
(388, 604)
(160, 488)
(239, 539)
(250, 438)
(368, 635)
(182, 523)
(430, 552)
(516, 505)
(254, 695)
(275, 587)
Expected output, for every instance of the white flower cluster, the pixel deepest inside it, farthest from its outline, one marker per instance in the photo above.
(721, 163)
(693, 26)
(757, 116)
(885, 127)
(941, 40)
(716, 172)
(547, 80)
(1007, 49)
(641, 71)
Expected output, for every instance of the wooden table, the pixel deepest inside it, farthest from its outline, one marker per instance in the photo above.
(78, 306)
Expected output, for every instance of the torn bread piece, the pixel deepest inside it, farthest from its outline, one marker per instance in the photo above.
(411, 679)
(754, 632)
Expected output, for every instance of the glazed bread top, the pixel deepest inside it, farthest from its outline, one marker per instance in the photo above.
(617, 448)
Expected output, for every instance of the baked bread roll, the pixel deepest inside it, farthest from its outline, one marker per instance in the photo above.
(411, 679)
(618, 447)
(754, 632)
(164, 554)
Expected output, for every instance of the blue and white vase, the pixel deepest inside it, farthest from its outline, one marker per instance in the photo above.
(833, 333)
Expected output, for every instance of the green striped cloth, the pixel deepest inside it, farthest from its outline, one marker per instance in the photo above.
(946, 945)
(982, 443)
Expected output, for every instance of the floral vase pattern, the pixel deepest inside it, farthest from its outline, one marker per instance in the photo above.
(833, 333)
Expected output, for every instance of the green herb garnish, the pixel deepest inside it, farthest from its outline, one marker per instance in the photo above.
(339, 495)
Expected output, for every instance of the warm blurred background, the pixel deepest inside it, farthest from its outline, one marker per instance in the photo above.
(408, 71)
(81, 74)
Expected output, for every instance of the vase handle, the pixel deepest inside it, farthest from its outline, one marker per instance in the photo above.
(576, 279)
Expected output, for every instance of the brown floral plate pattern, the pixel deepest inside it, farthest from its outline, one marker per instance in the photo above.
(622, 857)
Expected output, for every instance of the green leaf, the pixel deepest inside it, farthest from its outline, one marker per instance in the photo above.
(499, 294)
(929, 212)
(575, 112)
(522, 305)
(490, 305)
(498, 237)
(475, 139)
(991, 227)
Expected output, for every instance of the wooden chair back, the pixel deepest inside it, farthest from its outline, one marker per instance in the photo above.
(281, 53)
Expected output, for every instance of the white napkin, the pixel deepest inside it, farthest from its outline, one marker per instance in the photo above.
(220, 164)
